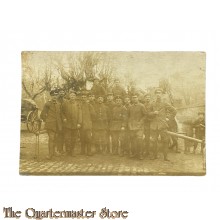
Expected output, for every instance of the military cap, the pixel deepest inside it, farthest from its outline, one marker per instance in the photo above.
(147, 94)
(53, 92)
(99, 95)
(72, 91)
(158, 90)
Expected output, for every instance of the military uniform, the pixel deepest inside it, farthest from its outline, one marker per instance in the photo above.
(199, 126)
(52, 116)
(60, 135)
(117, 128)
(72, 113)
(110, 105)
(100, 126)
(127, 133)
(159, 126)
(86, 129)
(98, 90)
(136, 116)
(147, 128)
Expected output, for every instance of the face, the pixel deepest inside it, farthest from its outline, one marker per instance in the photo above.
(72, 96)
(147, 98)
(84, 98)
(118, 102)
(158, 94)
(110, 97)
(127, 100)
(91, 97)
(54, 97)
(100, 100)
(135, 99)
(61, 93)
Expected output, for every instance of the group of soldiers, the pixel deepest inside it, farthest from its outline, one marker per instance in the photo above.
(112, 122)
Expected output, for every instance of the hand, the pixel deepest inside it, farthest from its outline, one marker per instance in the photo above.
(64, 120)
(78, 125)
(156, 112)
(122, 128)
(167, 119)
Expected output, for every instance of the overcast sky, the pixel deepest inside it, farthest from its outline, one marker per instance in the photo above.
(145, 67)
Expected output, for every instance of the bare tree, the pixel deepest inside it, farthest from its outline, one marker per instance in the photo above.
(35, 81)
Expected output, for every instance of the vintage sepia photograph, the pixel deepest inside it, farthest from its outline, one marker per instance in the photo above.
(113, 113)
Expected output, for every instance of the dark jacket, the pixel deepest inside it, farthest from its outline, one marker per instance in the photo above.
(199, 126)
(118, 118)
(159, 121)
(98, 90)
(72, 112)
(136, 116)
(100, 119)
(52, 115)
(87, 115)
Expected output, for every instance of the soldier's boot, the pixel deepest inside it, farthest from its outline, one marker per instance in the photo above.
(73, 151)
(83, 148)
(89, 150)
(104, 149)
(140, 149)
(165, 150)
(97, 147)
(122, 149)
(155, 150)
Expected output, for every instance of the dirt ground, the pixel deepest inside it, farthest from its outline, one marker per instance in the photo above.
(179, 164)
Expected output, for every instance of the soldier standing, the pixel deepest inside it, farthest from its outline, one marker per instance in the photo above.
(199, 130)
(110, 104)
(97, 88)
(86, 129)
(127, 104)
(60, 135)
(118, 90)
(72, 114)
(51, 115)
(100, 125)
(136, 116)
(158, 126)
(147, 104)
(117, 127)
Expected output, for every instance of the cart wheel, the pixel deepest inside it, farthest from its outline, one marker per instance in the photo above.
(33, 121)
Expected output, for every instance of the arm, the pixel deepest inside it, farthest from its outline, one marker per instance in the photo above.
(44, 112)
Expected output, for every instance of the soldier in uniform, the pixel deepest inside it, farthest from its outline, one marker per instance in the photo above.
(127, 105)
(52, 116)
(136, 116)
(86, 129)
(97, 88)
(117, 126)
(158, 125)
(110, 104)
(118, 90)
(60, 135)
(199, 130)
(91, 98)
(147, 104)
(100, 125)
(72, 114)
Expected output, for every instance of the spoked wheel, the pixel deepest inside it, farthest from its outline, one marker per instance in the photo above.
(33, 121)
